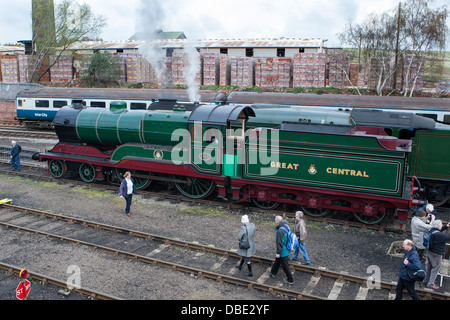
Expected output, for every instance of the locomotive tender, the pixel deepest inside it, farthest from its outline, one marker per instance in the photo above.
(352, 166)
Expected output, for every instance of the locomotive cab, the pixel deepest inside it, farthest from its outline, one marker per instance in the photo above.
(218, 137)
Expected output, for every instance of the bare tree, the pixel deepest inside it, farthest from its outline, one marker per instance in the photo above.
(423, 29)
(340, 69)
(73, 22)
(375, 40)
(412, 33)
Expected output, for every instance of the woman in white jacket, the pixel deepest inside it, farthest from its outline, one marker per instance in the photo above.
(420, 225)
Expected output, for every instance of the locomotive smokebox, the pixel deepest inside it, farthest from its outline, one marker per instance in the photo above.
(65, 123)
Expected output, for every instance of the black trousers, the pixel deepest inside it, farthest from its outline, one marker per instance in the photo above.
(283, 261)
(128, 199)
(409, 285)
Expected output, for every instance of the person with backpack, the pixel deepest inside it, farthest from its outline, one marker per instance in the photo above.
(411, 262)
(15, 155)
(247, 247)
(301, 233)
(420, 225)
(282, 252)
(436, 249)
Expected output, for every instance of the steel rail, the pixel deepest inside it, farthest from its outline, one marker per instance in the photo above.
(326, 220)
(176, 267)
(47, 279)
(34, 134)
(204, 248)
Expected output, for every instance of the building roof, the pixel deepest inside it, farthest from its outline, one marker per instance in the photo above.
(207, 43)
(4, 49)
(161, 35)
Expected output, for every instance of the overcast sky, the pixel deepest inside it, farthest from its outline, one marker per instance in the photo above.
(212, 19)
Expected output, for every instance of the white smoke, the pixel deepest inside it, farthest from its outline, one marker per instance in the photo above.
(191, 70)
(151, 17)
(155, 55)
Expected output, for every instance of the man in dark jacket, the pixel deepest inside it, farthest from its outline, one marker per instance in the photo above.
(15, 155)
(410, 261)
(282, 253)
(435, 252)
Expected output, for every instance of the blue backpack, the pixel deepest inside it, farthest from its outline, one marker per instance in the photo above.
(427, 239)
(292, 239)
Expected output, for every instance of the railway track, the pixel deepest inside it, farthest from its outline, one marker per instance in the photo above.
(44, 287)
(204, 261)
(165, 194)
(17, 131)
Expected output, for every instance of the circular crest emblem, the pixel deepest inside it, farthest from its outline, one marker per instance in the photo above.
(204, 156)
(158, 154)
(312, 169)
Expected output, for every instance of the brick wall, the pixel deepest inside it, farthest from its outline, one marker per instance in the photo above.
(309, 70)
(303, 70)
(273, 72)
(7, 110)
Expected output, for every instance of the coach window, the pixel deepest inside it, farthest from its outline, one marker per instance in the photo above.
(428, 115)
(59, 104)
(138, 106)
(224, 50)
(301, 50)
(446, 119)
(281, 52)
(19, 103)
(42, 104)
(79, 101)
(249, 52)
(98, 104)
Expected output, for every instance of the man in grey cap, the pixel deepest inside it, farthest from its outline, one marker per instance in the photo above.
(420, 225)
(301, 233)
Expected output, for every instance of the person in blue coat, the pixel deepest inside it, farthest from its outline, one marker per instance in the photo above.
(15, 155)
(282, 253)
(410, 261)
(127, 188)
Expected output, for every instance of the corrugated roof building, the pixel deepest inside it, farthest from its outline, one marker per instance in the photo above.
(265, 48)
(11, 50)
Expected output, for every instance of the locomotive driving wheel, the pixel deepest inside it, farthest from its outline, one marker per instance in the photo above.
(370, 219)
(57, 168)
(195, 188)
(315, 212)
(265, 205)
(87, 172)
(138, 177)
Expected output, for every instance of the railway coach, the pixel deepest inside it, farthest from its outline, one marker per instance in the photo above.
(354, 167)
(38, 107)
